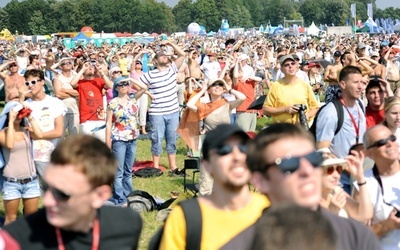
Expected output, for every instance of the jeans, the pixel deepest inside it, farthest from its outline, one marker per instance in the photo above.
(163, 126)
(125, 152)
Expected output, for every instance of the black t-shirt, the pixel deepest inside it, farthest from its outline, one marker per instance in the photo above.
(119, 229)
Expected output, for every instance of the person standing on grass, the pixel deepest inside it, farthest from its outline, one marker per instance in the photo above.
(164, 108)
(121, 134)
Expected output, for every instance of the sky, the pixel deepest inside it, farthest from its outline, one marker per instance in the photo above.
(382, 4)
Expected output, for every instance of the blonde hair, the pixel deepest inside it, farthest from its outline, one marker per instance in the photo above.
(390, 102)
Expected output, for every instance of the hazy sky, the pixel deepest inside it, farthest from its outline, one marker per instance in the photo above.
(382, 4)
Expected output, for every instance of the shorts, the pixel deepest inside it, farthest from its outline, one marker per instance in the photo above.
(13, 190)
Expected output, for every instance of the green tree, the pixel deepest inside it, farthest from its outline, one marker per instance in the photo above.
(207, 14)
(278, 10)
(312, 11)
(183, 13)
(336, 12)
(37, 24)
(4, 19)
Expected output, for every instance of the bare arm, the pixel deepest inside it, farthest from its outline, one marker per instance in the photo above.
(59, 91)
(323, 144)
(179, 51)
(191, 104)
(57, 132)
(108, 127)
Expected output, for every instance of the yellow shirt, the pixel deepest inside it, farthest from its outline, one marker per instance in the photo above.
(123, 65)
(218, 228)
(282, 95)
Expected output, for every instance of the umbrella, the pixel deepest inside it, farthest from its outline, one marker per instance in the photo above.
(258, 103)
(322, 62)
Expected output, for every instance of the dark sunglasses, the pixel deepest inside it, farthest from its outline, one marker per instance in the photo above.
(288, 64)
(329, 170)
(123, 84)
(117, 72)
(292, 164)
(12, 65)
(102, 56)
(217, 84)
(33, 82)
(220, 58)
(65, 63)
(382, 142)
(227, 149)
(57, 193)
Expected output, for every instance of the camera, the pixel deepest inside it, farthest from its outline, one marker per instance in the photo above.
(302, 115)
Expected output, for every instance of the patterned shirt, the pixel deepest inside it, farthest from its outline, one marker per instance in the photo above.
(124, 120)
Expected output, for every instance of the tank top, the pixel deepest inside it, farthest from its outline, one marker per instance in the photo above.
(70, 102)
(218, 116)
(19, 160)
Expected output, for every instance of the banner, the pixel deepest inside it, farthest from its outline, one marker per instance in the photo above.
(369, 10)
(353, 10)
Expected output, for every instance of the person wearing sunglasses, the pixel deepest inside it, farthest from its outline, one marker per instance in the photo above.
(69, 96)
(77, 184)
(216, 111)
(382, 182)
(392, 68)
(287, 92)
(334, 198)
(121, 134)
(13, 81)
(231, 208)
(286, 168)
(49, 114)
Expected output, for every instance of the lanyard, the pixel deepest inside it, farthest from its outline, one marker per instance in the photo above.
(95, 237)
(353, 120)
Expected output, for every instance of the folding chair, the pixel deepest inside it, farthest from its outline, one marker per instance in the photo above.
(192, 163)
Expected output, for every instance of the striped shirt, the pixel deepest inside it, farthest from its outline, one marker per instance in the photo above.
(162, 85)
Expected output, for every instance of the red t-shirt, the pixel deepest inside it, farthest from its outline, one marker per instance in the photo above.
(374, 116)
(90, 100)
(247, 88)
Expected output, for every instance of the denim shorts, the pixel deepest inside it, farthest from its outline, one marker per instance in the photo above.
(13, 190)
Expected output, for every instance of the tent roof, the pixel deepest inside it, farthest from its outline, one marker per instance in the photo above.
(80, 36)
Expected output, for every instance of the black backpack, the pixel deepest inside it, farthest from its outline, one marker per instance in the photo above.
(141, 201)
(339, 111)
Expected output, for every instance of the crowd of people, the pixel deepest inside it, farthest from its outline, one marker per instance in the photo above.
(70, 114)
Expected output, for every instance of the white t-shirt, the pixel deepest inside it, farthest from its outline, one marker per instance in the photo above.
(45, 112)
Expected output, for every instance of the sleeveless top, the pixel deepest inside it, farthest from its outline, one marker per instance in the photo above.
(70, 102)
(19, 160)
(218, 116)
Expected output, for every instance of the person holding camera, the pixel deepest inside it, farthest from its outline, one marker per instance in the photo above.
(285, 95)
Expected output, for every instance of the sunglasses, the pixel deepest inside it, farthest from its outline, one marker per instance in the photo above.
(227, 149)
(220, 58)
(66, 63)
(291, 164)
(117, 72)
(57, 193)
(123, 84)
(289, 64)
(329, 170)
(12, 65)
(102, 56)
(382, 142)
(33, 82)
(217, 84)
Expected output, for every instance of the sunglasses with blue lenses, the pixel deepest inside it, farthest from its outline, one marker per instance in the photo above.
(291, 164)
(227, 149)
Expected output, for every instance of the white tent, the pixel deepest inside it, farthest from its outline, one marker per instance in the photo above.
(373, 27)
(313, 30)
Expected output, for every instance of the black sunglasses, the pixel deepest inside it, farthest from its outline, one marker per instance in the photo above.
(117, 72)
(65, 63)
(57, 193)
(382, 142)
(217, 84)
(122, 84)
(33, 82)
(227, 149)
(291, 164)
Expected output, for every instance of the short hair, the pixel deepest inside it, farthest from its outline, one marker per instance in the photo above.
(390, 102)
(292, 227)
(34, 73)
(89, 156)
(255, 151)
(373, 83)
(348, 70)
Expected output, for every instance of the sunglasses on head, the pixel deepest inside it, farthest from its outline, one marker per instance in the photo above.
(117, 72)
(220, 84)
(329, 170)
(33, 82)
(57, 193)
(122, 84)
(289, 64)
(227, 149)
(382, 142)
(291, 164)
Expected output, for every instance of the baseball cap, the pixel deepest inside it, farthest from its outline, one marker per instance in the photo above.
(361, 46)
(243, 57)
(337, 53)
(212, 81)
(330, 159)
(113, 69)
(284, 58)
(296, 57)
(216, 137)
(313, 64)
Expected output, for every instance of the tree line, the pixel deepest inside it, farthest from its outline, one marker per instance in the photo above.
(51, 16)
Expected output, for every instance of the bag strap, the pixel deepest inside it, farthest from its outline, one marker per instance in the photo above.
(377, 177)
(192, 213)
(339, 110)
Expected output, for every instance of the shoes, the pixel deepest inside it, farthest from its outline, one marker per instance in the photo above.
(176, 172)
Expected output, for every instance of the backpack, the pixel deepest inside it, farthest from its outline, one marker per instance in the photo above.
(141, 201)
(340, 114)
(192, 213)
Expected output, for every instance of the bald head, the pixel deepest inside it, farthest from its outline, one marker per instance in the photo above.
(371, 134)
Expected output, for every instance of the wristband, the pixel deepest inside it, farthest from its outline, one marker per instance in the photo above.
(361, 184)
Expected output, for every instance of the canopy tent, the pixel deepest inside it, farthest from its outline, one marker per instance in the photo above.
(373, 27)
(81, 37)
(313, 30)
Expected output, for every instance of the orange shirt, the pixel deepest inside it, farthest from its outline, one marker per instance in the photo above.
(247, 88)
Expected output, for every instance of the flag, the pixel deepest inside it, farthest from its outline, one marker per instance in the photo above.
(353, 10)
(369, 10)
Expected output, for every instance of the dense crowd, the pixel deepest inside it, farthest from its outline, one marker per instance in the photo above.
(210, 92)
